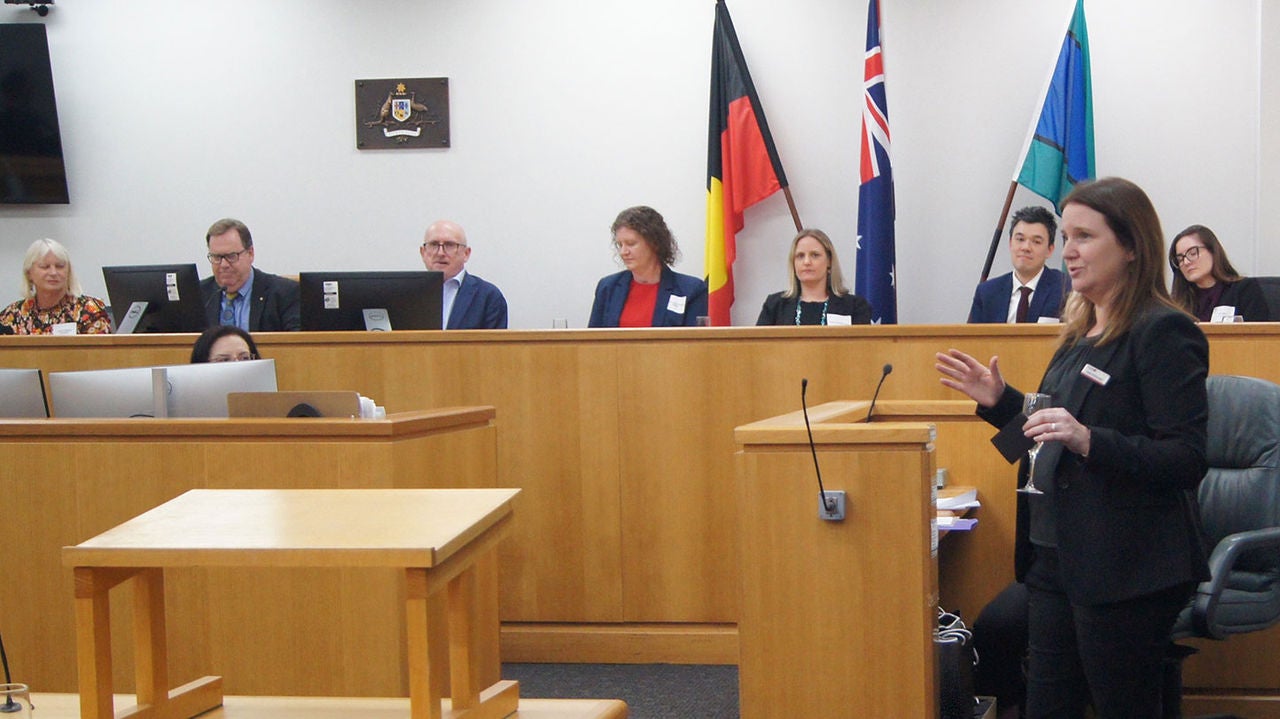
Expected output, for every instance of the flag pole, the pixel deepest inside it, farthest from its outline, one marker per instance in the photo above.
(791, 203)
(995, 236)
(1022, 156)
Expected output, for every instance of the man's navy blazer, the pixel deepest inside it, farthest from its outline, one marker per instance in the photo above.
(611, 295)
(991, 299)
(274, 307)
(479, 305)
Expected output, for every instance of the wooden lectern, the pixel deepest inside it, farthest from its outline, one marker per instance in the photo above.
(838, 617)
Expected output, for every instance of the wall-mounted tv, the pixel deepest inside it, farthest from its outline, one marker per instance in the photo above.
(31, 168)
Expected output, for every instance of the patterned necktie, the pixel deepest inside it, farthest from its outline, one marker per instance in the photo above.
(1023, 302)
(228, 308)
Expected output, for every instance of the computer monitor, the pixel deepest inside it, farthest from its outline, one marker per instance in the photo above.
(171, 294)
(406, 300)
(200, 390)
(22, 394)
(102, 393)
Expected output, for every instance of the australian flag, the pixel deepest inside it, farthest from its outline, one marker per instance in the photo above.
(875, 279)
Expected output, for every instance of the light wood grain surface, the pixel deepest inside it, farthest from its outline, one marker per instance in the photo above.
(298, 528)
(622, 442)
(67, 706)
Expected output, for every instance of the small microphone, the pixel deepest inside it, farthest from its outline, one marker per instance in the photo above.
(830, 504)
(9, 706)
(887, 369)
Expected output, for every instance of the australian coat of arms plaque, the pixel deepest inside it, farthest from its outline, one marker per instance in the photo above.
(409, 112)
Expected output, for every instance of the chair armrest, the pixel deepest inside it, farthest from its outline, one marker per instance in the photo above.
(1205, 608)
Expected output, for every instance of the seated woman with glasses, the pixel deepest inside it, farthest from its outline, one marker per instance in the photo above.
(816, 294)
(648, 293)
(224, 343)
(52, 301)
(1204, 280)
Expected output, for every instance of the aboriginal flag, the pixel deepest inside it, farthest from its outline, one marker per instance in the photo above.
(742, 163)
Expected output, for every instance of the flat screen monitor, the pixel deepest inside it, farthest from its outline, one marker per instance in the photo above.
(200, 390)
(31, 167)
(407, 300)
(22, 394)
(102, 393)
(171, 294)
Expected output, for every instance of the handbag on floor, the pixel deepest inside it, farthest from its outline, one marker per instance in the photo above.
(953, 650)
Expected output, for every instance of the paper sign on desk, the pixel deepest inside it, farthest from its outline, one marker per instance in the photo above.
(955, 524)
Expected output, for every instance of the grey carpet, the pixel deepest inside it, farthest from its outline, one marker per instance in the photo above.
(651, 691)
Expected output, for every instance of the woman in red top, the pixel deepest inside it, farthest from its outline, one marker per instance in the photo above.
(648, 293)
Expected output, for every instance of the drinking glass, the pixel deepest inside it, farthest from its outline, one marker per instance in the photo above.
(1033, 402)
(15, 701)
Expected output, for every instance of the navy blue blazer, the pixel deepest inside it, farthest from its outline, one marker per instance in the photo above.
(991, 299)
(611, 295)
(479, 305)
(274, 307)
(1127, 517)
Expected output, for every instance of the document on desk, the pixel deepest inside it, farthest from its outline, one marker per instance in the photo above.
(955, 524)
(963, 500)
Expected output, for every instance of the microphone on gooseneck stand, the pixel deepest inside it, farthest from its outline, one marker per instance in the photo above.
(887, 369)
(9, 706)
(831, 503)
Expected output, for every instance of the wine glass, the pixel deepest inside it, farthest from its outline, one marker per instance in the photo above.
(1033, 402)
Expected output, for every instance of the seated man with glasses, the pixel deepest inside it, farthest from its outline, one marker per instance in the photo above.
(470, 303)
(240, 295)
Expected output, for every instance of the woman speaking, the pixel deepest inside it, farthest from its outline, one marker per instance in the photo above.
(1110, 549)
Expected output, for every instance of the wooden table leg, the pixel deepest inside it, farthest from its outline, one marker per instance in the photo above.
(424, 698)
(151, 664)
(464, 649)
(93, 641)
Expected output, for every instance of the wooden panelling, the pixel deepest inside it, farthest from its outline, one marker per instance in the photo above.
(623, 443)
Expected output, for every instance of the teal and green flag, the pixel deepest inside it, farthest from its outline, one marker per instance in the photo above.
(1061, 148)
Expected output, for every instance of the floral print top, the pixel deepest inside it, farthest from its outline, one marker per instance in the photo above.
(89, 314)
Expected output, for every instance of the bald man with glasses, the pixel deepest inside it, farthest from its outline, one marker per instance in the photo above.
(240, 295)
(470, 303)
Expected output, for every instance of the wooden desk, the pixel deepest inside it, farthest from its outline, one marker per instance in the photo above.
(73, 479)
(434, 536)
(67, 706)
(620, 440)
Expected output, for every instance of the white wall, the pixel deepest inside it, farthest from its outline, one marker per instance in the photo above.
(174, 114)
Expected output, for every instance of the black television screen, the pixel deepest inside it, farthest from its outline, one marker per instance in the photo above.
(172, 294)
(407, 300)
(31, 168)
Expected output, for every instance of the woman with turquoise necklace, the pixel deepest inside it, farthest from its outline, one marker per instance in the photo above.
(817, 294)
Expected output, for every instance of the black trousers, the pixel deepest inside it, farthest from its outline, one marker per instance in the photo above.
(1000, 638)
(1107, 654)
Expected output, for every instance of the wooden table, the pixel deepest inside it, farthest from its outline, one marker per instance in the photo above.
(434, 535)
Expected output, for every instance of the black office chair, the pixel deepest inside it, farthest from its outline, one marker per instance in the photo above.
(1271, 291)
(1240, 512)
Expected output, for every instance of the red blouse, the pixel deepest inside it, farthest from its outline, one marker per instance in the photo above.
(638, 311)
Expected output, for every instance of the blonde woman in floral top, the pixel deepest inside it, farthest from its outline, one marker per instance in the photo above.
(53, 296)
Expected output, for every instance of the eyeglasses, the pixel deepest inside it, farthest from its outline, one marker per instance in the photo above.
(239, 357)
(446, 247)
(1191, 255)
(229, 257)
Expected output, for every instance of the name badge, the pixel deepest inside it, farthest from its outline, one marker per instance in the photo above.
(1096, 375)
(64, 328)
(1223, 313)
(676, 304)
(839, 319)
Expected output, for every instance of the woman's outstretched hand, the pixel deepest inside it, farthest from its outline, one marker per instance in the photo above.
(962, 372)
